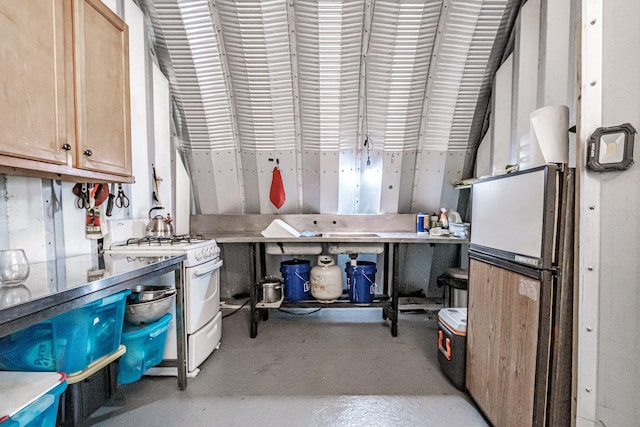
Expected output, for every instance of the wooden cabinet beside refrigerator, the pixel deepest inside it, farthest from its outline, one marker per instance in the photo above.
(509, 343)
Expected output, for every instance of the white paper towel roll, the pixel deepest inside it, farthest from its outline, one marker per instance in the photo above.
(548, 140)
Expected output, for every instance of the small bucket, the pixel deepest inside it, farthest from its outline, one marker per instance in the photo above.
(361, 281)
(296, 279)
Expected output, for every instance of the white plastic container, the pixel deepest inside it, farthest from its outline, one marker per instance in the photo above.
(459, 229)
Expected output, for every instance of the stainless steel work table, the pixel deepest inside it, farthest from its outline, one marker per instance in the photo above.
(388, 300)
(68, 283)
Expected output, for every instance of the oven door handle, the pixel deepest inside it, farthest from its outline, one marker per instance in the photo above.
(208, 270)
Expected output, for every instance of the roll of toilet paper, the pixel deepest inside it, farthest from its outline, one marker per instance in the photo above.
(549, 134)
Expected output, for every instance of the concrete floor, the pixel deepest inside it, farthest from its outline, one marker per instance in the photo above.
(336, 367)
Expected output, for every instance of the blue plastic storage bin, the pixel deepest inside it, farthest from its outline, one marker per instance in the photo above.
(145, 347)
(30, 398)
(68, 342)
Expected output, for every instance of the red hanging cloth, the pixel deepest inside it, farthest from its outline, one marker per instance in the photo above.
(276, 195)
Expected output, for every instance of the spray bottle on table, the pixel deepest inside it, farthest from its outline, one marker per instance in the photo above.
(444, 222)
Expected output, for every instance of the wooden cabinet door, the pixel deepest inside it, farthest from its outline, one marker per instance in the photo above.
(36, 87)
(102, 89)
(502, 343)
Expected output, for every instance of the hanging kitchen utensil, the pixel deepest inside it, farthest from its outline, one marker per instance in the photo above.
(102, 194)
(82, 192)
(122, 201)
(110, 202)
(93, 225)
(156, 183)
(277, 194)
(92, 196)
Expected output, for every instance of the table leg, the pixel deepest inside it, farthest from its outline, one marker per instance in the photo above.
(181, 335)
(257, 267)
(393, 263)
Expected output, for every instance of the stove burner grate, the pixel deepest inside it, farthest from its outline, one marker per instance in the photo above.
(160, 241)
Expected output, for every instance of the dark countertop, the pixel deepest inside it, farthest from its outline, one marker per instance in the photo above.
(54, 287)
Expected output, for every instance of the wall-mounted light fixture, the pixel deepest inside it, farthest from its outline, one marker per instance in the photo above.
(611, 148)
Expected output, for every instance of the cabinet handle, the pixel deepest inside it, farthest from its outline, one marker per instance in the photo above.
(66, 147)
(88, 153)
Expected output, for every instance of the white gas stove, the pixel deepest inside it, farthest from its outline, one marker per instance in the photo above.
(201, 284)
(198, 249)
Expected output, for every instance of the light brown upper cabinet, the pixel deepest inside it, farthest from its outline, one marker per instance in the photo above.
(102, 88)
(36, 82)
(64, 91)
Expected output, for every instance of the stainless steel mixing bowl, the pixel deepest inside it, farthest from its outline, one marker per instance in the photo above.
(148, 311)
(143, 293)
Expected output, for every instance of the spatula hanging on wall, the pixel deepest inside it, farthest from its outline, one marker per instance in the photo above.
(277, 194)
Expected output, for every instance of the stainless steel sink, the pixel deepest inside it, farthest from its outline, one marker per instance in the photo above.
(347, 234)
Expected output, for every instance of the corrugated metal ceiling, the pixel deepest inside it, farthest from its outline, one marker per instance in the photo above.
(307, 76)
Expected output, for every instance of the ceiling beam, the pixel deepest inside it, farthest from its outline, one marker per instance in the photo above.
(295, 87)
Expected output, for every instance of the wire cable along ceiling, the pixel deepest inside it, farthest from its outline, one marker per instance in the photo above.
(309, 82)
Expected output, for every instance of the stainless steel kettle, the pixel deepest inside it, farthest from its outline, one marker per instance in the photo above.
(159, 226)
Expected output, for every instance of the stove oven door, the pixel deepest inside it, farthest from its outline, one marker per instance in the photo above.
(202, 294)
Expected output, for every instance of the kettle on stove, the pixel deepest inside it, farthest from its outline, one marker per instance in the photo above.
(159, 226)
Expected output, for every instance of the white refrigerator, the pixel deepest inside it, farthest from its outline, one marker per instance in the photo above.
(520, 296)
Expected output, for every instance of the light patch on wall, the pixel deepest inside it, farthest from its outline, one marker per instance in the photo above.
(371, 176)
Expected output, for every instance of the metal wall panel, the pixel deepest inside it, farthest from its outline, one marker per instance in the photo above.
(314, 178)
(390, 187)
(556, 69)
(202, 180)
(525, 72)
(618, 365)
(251, 189)
(141, 119)
(501, 119)
(329, 182)
(429, 178)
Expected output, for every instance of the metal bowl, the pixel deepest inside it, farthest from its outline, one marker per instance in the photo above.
(149, 311)
(142, 293)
